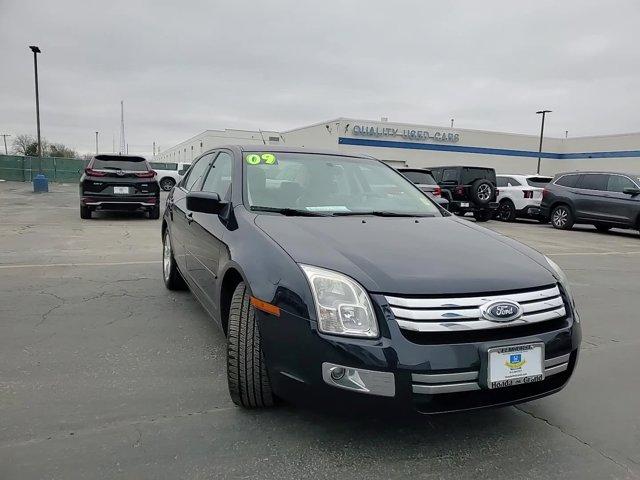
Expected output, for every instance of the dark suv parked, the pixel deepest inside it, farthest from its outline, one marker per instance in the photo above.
(119, 182)
(468, 189)
(335, 280)
(603, 199)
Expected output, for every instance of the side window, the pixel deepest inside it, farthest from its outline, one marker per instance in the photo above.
(218, 179)
(196, 171)
(593, 181)
(567, 180)
(450, 174)
(617, 183)
(506, 182)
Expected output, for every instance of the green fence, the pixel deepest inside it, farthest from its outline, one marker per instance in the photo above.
(23, 169)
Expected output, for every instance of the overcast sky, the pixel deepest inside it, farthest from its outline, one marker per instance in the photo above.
(282, 64)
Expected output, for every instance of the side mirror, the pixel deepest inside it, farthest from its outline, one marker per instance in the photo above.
(632, 191)
(204, 202)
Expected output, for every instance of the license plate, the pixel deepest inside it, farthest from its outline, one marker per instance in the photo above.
(515, 365)
(121, 190)
(464, 204)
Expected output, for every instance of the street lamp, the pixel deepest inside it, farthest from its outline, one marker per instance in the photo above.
(96, 143)
(40, 183)
(544, 113)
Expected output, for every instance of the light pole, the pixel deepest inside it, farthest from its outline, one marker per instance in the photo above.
(96, 143)
(544, 113)
(5, 135)
(40, 183)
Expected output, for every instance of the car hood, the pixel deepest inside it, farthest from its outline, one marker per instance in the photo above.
(411, 256)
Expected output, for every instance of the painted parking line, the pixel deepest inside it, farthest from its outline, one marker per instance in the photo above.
(591, 253)
(80, 264)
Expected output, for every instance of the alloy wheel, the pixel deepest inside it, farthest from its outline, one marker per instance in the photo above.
(560, 216)
(166, 257)
(484, 192)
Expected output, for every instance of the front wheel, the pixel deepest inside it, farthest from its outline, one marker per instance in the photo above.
(562, 218)
(249, 384)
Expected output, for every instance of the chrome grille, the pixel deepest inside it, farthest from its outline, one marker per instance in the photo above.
(463, 313)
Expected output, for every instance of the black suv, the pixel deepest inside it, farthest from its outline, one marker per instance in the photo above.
(602, 199)
(468, 189)
(118, 182)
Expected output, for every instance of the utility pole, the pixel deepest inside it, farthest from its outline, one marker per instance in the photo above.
(544, 113)
(154, 150)
(96, 143)
(123, 143)
(452, 123)
(5, 135)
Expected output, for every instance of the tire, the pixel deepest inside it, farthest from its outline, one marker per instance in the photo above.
(506, 211)
(561, 217)
(154, 213)
(482, 191)
(167, 183)
(247, 377)
(602, 228)
(85, 212)
(482, 215)
(170, 274)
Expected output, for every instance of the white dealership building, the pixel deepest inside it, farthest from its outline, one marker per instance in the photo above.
(402, 144)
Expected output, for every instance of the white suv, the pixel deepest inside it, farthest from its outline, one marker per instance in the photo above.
(519, 196)
(168, 174)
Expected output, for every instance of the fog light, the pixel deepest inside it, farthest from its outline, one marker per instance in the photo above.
(359, 380)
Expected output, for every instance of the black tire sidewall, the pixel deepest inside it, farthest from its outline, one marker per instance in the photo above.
(512, 211)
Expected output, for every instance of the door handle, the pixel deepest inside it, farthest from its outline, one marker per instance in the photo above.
(189, 217)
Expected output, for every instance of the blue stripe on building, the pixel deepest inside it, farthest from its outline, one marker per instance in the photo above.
(366, 142)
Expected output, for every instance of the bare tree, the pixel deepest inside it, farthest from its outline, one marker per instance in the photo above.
(22, 143)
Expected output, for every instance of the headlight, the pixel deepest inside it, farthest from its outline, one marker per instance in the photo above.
(562, 278)
(342, 305)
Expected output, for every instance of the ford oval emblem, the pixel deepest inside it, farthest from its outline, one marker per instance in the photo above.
(501, 311)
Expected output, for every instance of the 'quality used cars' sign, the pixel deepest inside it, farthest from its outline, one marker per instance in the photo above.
(407, 134)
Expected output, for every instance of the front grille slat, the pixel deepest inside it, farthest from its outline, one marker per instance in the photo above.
(459, 314)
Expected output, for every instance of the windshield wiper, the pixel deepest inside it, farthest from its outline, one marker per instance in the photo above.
(290, 212)
(383, 213)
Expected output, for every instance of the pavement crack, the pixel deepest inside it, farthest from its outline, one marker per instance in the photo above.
(52, 309)
(577, 438)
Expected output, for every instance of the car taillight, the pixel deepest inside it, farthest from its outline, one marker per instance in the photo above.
(497, 192)
(459, 190)
(528, 193)
(545, 192)
(94, 173)
(148, 174)
(437, 191)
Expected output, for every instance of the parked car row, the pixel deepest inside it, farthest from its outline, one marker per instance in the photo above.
(603, 199)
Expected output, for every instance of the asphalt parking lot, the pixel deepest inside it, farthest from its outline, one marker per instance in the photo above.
(105, 374)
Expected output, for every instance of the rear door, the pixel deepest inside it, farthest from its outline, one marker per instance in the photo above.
(591, 192)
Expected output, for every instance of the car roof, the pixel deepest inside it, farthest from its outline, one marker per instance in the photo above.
(286, 149)
(413, 169)
(463, 166)
(522, 176)
(599, 172)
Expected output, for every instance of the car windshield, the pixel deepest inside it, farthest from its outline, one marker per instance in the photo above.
(329, 185)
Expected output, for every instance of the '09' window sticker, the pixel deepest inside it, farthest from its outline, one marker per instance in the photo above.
(261, 159)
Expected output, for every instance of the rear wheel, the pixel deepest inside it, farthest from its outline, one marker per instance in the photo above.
(85, 212)
(506, 211)
(167, 183)
(482, 191)
(154, 213)
(482, 215)
(249, 384)
(602, 228)
(170, 274)
(561, 217)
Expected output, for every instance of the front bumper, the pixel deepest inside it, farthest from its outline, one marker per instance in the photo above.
(436, 375)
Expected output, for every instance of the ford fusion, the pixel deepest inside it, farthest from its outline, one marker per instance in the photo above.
(336, 280)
